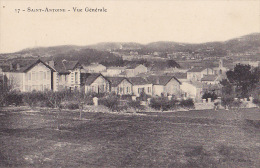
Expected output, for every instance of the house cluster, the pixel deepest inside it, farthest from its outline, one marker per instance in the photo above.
(39, 75)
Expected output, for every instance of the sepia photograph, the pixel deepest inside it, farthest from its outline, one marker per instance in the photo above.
(140, 84)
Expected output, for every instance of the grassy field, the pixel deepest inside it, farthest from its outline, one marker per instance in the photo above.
(181, 139)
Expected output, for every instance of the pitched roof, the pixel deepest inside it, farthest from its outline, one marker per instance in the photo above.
(197, 69)
(138, 81)
(161, 80)
(24, 65)
(92, 66)
(115, 81)
(65, 66)
(133, 66)
(89, 78)
(180, 75)
(209, 78)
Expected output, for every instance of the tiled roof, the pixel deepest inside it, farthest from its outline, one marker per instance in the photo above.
(25, 65)
(89, 78)
(138, 81)
(115, 81)
(133, 66)
(65, 66)
(161, 80)
(180, 75)
(197, 69)
(209, 78)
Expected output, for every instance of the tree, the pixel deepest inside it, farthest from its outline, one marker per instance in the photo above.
(244, 78)
(81, 98)
(211, 95)
(173, 64)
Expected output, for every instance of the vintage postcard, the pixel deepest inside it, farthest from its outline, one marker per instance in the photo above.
(94, 83)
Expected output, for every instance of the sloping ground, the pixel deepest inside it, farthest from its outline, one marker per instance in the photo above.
(188, 139)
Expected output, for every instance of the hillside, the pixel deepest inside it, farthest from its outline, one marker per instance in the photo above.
(247, 43)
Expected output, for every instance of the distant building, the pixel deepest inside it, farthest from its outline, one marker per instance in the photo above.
(135, 70)
(165, 85)
(114, 71)
(94, 68)
(197, 73)
(253, 64)
(192, 90)
(220, 69)
(120, 85)
(94, 83)
(211, 79)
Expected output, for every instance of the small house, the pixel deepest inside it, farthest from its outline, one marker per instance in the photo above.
(165, 85)
(141, 85)
(120, 85)
(94, 82)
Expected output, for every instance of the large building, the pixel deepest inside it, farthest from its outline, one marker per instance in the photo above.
(68, 74)
(28, 75)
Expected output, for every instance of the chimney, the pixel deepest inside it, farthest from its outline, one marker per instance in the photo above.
(51, 63)
(11, 66)
(157, 81)
(18, 67)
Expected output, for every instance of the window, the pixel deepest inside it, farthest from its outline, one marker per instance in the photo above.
(76, 77)
(48, 75)
(44, 75)
(121, 90)
(29, 76)
(41, 76)
(149, 90)
(33, 76)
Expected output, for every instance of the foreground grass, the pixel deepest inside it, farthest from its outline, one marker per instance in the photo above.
(30, 139)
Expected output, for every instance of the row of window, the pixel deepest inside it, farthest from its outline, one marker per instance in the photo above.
(37, 87)
(124, 90)
(64, 78)
(38, 76)
(149, 90)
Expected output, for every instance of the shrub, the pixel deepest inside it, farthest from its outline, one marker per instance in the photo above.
(227, 100)
(136, 105)
(143, 96)
(111, 101)
(256, 101)
(162, 103)
(189, 103)
(70, 105)
(36, 99)
(211, 95)
(14, 98)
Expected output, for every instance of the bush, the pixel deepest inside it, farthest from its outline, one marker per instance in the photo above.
(14, 98)
(227, 100)
(111, 101)
(70, 105)
(36, 99)
(189, 103)
(136, 105)
(211, 95)
(256, 101)
(162, 103)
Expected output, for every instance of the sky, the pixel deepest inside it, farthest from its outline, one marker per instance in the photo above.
(125, 21)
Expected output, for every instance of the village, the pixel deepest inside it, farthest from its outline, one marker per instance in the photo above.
(134, 80)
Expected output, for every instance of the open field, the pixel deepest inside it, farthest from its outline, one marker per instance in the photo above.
(181, 139)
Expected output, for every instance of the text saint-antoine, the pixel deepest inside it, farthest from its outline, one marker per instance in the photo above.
(74, 9)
